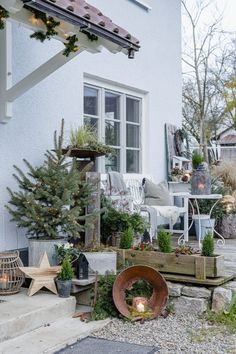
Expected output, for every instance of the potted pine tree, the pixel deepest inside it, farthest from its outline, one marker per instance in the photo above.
(64, 279)
(50, 201)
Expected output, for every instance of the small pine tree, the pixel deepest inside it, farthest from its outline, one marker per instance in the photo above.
(197, 159)
(66, 272)
(127, 237)
(51, 198)
(164, 241)
(208, 245)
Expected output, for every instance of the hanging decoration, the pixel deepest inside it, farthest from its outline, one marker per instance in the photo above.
(51, 25)
(70, 46)
(3, 16)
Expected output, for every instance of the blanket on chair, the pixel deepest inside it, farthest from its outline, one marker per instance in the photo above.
(116, 183)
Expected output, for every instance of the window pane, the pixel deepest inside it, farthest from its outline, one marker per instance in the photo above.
(91, 122)
(132, 161)
(90, 101)
(112, 106)
(112, 133)
(132, 136)
(132, 110)
(113, 161)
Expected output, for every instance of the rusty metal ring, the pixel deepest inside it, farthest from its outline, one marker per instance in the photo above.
(131, 275)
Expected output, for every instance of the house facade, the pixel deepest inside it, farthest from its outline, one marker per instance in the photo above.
(128, 100)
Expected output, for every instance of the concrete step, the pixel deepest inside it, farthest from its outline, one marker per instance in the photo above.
(21, 314)
(49, 339)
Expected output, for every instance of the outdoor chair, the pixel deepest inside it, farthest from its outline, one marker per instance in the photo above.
(133, 197)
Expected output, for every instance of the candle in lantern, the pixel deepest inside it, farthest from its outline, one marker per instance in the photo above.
(3, 281)
(201, 186)
(140, 307)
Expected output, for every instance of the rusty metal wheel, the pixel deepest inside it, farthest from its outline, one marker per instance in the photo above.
(131, 275)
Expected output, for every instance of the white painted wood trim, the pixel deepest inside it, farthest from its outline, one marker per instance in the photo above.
(142, 4)
(39, 74)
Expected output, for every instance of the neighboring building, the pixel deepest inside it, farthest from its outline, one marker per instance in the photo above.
(226, 142)
(129, 100)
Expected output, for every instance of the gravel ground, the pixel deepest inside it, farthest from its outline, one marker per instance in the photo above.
(174, 334)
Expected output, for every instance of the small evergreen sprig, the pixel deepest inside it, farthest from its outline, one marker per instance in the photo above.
(208, 245)
(3, 16)
(70, 46)
(164, 241)
(66, 272)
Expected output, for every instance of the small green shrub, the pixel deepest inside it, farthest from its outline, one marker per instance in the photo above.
(164, 241)
(126, 240)
(66, 272)
(197, 158)
(105, 306)
(208, 245)
(225, 318)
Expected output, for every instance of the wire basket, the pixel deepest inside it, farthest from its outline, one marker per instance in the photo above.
(11, 277)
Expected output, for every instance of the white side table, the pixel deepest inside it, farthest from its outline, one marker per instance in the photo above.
(217, 198)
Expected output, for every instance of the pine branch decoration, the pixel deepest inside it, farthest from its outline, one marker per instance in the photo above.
(3, 16)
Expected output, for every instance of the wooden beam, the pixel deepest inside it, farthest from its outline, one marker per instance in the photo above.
(41, 73)
(5, 71)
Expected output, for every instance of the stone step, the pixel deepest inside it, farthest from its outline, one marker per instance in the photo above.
(21, 314)
(49, 339)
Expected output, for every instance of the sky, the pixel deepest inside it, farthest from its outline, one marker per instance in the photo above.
(229, 16)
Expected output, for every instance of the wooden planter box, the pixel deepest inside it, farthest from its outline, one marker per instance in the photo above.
(193, 265)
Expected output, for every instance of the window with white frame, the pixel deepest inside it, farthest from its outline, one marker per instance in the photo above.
(116, 116)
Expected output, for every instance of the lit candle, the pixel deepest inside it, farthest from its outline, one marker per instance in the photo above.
(140, 307)
(3, 281)
(201, 186)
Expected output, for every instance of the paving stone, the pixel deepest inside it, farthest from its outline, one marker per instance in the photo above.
(221, 299)
(189, 305)
(92, 345)
(174, 289)
(198, 292)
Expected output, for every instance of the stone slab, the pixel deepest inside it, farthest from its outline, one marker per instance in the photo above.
(91, 345)
(221, 299)
(174, 289)
(21, 313)
(49, 339)
(189, 305)
(102, 262)
(194, 291)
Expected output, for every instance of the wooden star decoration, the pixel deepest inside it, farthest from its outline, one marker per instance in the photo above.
(42, 276)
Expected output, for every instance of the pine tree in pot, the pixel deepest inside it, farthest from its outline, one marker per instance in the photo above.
(50, 201)
(64, 279)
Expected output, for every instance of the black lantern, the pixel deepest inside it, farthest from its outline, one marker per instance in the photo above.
(82, 267)
(201, 180)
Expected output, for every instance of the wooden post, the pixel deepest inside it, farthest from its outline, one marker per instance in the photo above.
(92, 233)
(200, 268)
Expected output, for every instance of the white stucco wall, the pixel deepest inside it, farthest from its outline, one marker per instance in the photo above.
(156, 70)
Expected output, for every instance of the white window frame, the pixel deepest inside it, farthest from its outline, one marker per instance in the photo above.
(124, 91)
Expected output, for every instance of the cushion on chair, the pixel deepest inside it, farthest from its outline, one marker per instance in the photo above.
(157, 194)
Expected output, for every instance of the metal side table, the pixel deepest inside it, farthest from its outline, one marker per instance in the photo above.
(196, 198)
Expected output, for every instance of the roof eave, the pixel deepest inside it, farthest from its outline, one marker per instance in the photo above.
(81, 22)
